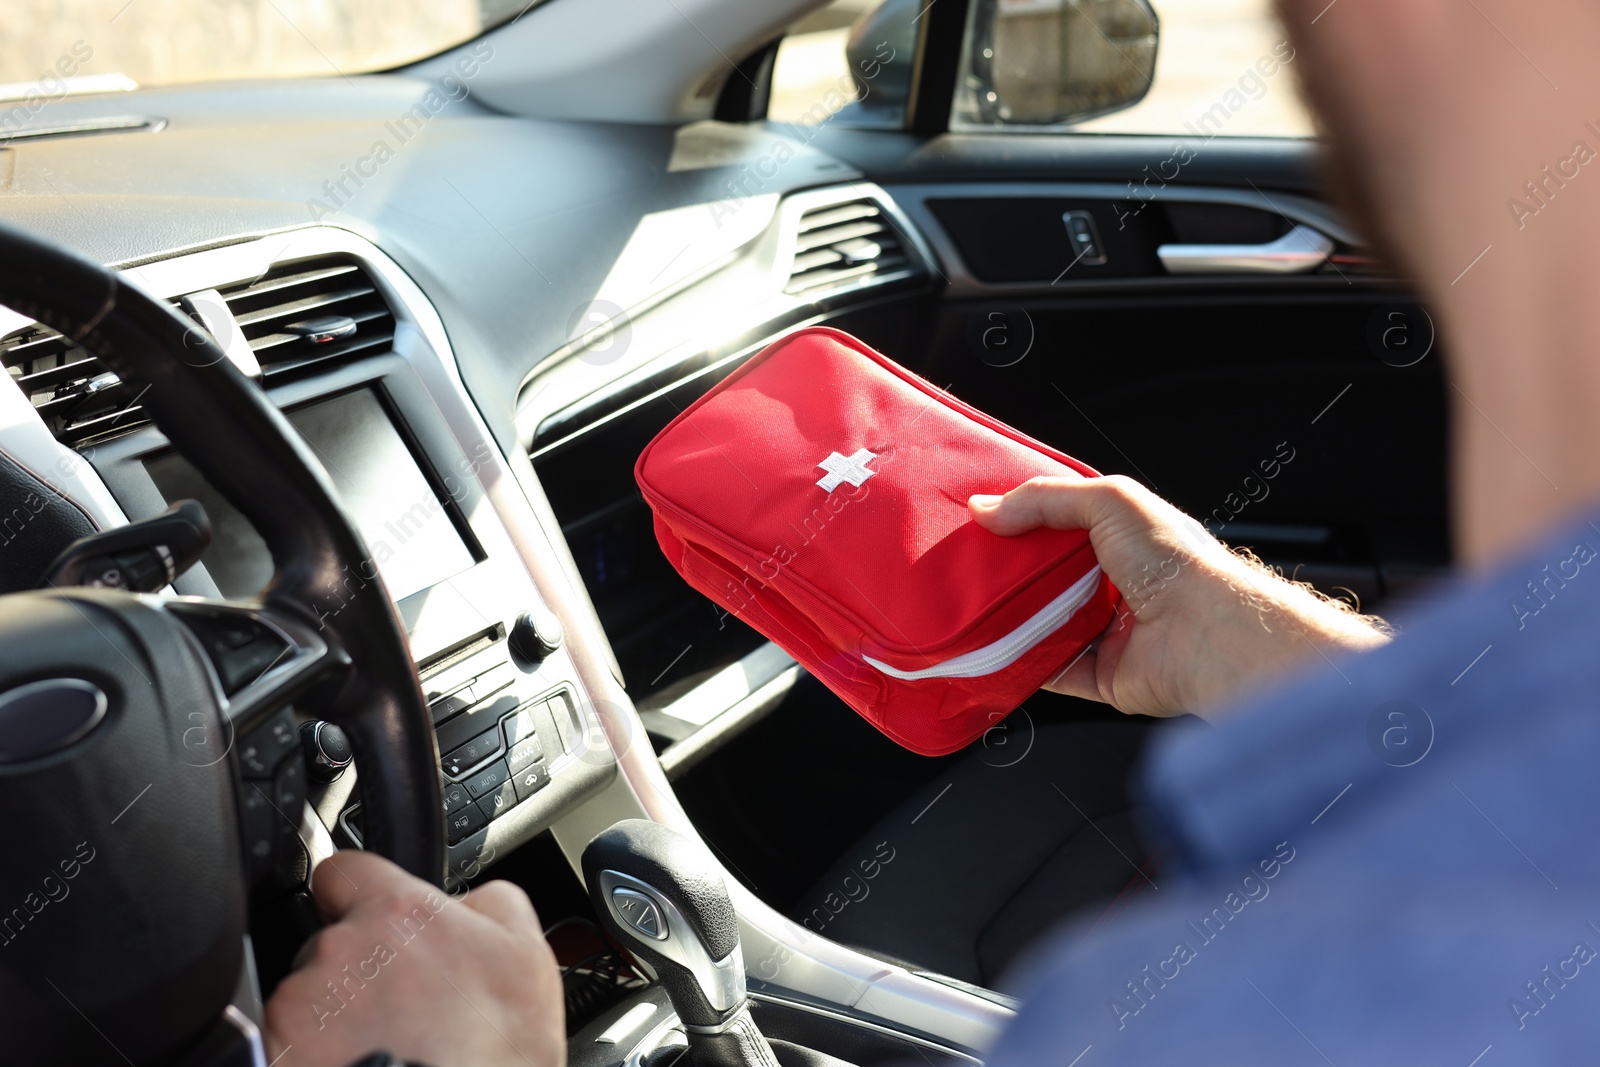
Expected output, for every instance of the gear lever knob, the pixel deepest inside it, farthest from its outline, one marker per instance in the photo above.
(662, 895)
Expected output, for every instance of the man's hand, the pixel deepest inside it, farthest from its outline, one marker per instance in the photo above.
(448, 981)
(1200, 626)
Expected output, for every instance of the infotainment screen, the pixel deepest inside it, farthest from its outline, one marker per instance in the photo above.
(409, 530)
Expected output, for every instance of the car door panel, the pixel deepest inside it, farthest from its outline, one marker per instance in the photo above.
(1189, 383)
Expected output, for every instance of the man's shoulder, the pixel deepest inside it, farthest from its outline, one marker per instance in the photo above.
(1389, 856)
(1468, 671)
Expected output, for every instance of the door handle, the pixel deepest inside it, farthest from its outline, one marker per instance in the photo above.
(1301, 249)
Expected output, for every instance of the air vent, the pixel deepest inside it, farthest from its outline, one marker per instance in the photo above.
(312, 314)
(309, 314)
(844, 245)
(72, 391)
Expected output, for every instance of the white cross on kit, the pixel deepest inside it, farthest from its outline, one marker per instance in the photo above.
(852, 469)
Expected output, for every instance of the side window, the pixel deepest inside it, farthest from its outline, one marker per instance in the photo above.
(1196, 68)
(846, 64)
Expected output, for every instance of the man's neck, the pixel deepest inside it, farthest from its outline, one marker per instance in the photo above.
(1450, 114)
(1502, 218)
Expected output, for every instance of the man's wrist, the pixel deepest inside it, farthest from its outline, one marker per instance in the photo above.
(1270, 627)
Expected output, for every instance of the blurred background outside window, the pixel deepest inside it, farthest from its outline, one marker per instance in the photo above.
(1209, 62)
(166, 42)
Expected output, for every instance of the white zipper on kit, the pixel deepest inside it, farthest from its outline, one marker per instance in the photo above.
(1001, 654)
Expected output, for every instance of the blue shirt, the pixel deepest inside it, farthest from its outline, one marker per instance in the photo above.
(1393, 859)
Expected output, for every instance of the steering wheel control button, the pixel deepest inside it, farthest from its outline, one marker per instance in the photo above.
(265, 747)
(455, 797)
(488, 779)
(534, 636)
(289, 794)
(639, 912)
(525, 752)
(530, 780)
(44, 717)
(240, 648)
(499, 802)
(472, 753)
(327, 750)
(465, 822)
(260, 828)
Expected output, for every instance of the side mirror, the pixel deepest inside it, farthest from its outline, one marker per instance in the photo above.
(880, 50)
(1048, 62)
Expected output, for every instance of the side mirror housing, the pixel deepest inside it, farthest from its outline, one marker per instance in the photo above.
(1052, 62)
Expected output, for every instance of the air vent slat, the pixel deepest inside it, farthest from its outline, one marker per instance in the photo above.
(258, 345)
(35, 350)
(338, 351)
(299, 307)
(805, 261)
(108, 397)
(55, 377)
(844, 245)
(860, 209)
(802, 283)
(272, 284)
(836, 234)
(333, 286)
(115, 422)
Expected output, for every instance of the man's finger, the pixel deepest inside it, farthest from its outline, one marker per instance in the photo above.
(1077, 679)
(350, 876)
(505, 904)
(1059, 503)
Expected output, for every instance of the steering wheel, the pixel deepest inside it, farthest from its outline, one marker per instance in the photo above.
(123, 888)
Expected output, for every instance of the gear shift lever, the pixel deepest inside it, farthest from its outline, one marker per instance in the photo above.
(661, 894)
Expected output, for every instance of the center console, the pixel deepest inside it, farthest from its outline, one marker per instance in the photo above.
(517, 740)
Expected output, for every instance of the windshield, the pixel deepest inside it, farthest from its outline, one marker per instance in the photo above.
(50, 48)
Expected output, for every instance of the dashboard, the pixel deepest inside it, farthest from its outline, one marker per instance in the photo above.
(458, 338)
(463, 364)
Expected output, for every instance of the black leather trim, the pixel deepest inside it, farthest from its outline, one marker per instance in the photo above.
(741, 1045)
(36, 523)
(791, 1055)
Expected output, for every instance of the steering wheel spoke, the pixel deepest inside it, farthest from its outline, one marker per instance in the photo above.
(262, 658)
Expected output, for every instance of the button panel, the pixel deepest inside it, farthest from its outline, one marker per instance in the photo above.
(524, 752)
(525, 723)
(471, 754)
(264, 748)
(464, 822)
(272, 793)
(530, 780)
(494, 745)
(455, 797)
(499, 802)
(488, 779)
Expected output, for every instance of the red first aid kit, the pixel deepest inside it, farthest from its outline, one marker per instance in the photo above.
(819, 493)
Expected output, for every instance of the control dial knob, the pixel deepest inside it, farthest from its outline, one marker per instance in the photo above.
(327, 750)
(535, 635)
